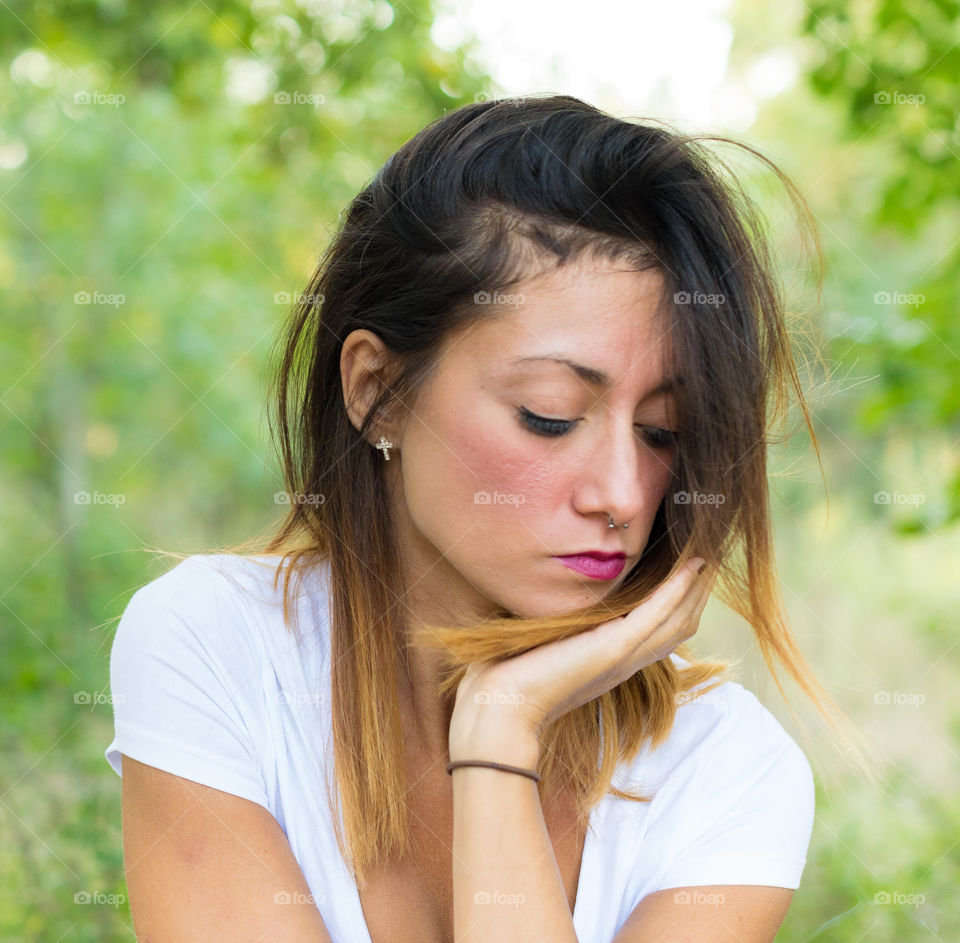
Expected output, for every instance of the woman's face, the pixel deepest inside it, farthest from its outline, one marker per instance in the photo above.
(486, 501)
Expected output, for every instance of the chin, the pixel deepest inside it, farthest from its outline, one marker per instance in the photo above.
(556, 605)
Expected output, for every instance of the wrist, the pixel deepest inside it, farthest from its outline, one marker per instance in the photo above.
(480, 735)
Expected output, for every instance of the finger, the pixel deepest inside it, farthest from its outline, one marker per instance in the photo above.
(638, 626)
(658, 608)
(691, 606)
(680, 624)
(620, 639)
(606, 654)
(702, 587)
(695, 598)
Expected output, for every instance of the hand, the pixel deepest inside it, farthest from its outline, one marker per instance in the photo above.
(527, 692)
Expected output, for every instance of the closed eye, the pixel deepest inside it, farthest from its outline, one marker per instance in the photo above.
(540, 425)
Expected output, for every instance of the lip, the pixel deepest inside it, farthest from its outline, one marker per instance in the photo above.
(599, 554)
(599, 566)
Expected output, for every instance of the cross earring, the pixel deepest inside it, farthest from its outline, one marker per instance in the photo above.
(384, 446)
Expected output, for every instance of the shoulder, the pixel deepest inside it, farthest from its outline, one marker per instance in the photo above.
(732, 798)
(190, 679)
(212, 578)
(722, 742)
(193, 599)
(191, 622)
(203, 579)
(227, 597)
(188, 620)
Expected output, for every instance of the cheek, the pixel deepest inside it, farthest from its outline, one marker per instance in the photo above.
(657, 472)
(654, 476)
(516, 471)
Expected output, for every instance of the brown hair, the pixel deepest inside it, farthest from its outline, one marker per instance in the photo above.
(470, 204)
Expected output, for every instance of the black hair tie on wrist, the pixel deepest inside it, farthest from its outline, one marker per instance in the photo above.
(532, 773)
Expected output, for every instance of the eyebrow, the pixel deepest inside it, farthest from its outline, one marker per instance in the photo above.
(597, 377)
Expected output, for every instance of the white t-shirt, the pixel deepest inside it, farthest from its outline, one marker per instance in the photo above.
(209, 684)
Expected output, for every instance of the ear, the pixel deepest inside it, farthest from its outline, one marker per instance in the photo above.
(363, 362)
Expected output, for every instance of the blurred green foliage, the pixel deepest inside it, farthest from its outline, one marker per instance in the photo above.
(891, 69)
(870, 581)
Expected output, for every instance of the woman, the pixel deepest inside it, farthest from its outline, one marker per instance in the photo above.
(523, 410)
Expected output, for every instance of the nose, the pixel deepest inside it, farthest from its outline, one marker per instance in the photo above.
(615, 481)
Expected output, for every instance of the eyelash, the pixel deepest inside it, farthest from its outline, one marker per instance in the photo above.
(662, 438)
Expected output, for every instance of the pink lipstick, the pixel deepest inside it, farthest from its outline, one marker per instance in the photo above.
(600, 566)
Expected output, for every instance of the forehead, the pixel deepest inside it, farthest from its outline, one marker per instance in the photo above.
(600, 315)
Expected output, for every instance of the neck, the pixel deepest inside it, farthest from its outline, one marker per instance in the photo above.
(436, 594)
(426, 717)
